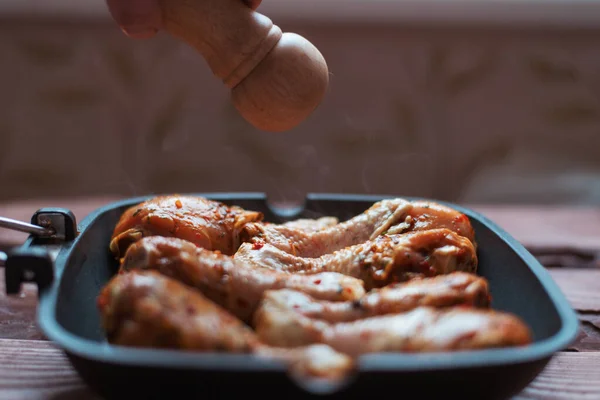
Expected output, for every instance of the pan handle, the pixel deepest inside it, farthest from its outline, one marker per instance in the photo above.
(34, 260)
(33, 264)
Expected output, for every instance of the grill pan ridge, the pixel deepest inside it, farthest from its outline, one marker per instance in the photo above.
(519, 284)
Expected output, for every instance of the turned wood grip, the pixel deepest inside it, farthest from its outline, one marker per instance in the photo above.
(276, 79)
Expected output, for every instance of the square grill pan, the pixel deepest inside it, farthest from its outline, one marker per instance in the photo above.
(71, 271)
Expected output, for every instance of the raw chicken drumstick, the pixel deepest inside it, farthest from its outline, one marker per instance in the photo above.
(206, 223)
(378, 262)
(423, 329)
(390, 216)
(455, 289)
(310, 225)
(147, 309)
(233, 285)
(426, 215)
(374, 221)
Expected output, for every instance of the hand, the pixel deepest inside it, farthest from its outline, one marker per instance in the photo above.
(141, 19)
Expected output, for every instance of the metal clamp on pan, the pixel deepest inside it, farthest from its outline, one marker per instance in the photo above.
(34, 260)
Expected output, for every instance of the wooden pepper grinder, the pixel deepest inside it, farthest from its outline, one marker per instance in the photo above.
(276, 80)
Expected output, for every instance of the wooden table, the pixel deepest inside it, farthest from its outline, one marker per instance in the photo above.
(566, 240)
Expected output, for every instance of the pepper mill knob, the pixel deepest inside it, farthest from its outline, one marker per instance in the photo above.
(276, 79)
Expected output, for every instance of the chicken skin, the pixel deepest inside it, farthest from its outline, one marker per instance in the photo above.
(233, 285)
(209, 224)
(391, 216)
(454, 289)
(311, 225)
(422, 329)
(378, 262)
(147, 309)
(425, 215)
(371, 223)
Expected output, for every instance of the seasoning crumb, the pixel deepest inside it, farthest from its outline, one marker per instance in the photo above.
(178, 203)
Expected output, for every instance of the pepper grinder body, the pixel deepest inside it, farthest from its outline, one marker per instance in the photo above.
(276, 79)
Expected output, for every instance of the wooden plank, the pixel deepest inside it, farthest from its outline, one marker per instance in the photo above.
(536, 226)
(588, 338)
(581, 286)
(554, 257)
(573, 376)
(18, 313)
(540, 226)
(582, 289)
(36, 370)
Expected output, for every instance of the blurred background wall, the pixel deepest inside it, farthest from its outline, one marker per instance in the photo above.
(476, 114)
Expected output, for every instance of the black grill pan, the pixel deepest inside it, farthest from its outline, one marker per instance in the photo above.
(70, 279)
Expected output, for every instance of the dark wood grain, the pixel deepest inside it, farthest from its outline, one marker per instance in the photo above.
(18, 313)
(582, 289)
(38, 370)
(548, 227)
(581, 286)
(566, 257)
(569, 376)
(588, 338)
